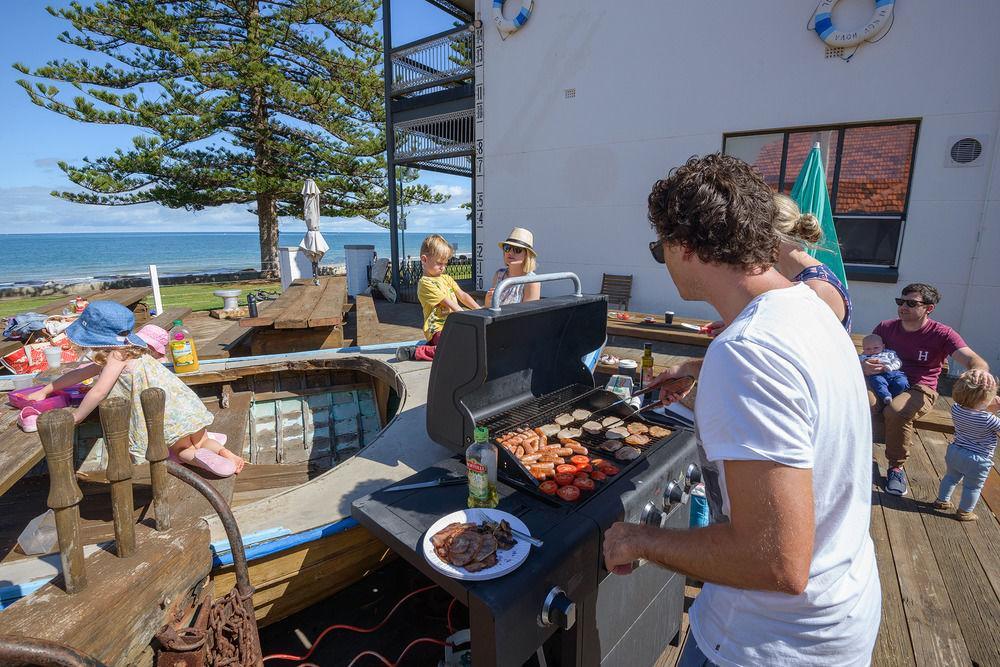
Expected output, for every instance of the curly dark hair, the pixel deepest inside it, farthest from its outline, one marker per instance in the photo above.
(928, 293)
(718, 207)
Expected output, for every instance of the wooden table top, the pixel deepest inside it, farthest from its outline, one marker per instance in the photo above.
(305, 305)
(635, 327)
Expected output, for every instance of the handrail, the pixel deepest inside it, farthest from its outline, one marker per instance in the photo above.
(542, 278)
(429, 38)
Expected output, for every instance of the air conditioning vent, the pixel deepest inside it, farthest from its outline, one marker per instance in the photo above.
(966, 151)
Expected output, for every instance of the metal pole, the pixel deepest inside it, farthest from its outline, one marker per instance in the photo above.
(390, 141)
(28, 651)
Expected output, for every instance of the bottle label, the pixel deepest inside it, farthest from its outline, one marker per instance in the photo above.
(479, 480)
(183, 353)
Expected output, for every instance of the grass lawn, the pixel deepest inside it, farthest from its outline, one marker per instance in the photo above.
(195, 297)
(200, 297)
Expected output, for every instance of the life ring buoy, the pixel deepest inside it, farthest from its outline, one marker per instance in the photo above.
(823, 24)
(510, 26)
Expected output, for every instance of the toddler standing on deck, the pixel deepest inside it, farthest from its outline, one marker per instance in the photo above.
(439, 296)
(970, 455)
(126, 367)
(891, 382)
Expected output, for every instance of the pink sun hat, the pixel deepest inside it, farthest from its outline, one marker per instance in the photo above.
(156, 338)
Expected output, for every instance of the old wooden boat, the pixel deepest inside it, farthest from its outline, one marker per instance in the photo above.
(318, 429)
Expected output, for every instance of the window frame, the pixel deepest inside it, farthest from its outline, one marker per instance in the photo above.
(868, 272)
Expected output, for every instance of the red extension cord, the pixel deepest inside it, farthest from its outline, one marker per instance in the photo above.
(385, 661)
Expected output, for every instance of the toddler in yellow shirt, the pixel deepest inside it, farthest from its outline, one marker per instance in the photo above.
(439, 297)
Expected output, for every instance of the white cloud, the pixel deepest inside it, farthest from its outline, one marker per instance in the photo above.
(455, 191)
(33, 210)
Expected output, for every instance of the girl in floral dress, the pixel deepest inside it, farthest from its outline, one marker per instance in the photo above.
(126, 368)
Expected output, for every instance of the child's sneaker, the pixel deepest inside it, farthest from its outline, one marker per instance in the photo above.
(406, 353)
(966, 516)
(943, 505)
(28, 419)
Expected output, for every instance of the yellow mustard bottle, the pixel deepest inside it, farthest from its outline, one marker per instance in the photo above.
(182, 349)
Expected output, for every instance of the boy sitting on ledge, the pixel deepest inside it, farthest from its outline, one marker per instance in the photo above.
(439, 296)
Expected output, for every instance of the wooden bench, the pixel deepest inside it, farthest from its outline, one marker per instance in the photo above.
(306, 317)
(366, 319)
(165, 320)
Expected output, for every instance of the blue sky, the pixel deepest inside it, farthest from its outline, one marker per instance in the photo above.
(35, 139)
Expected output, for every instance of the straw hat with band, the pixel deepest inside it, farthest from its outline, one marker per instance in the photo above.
(520, 238)
(104, 324)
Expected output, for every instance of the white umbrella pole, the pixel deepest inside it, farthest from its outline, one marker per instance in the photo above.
(154, 278)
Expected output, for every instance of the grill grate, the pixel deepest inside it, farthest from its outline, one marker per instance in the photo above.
(532, 411)
(542, 410)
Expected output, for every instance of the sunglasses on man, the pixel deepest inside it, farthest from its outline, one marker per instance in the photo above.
(656, 250)
(911, 303)
(517, 250)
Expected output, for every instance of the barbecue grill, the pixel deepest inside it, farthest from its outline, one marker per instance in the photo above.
(517, 367)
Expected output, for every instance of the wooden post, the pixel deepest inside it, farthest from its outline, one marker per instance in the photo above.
(153, 400)
(56, 431)
(115, 413)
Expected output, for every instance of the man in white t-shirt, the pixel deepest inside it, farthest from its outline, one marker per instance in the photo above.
(782, 411)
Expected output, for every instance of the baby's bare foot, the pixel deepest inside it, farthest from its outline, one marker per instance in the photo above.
(236, 459)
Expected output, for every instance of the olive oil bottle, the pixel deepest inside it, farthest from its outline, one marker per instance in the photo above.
(481, 461)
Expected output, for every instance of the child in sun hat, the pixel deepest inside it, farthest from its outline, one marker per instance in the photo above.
(157, 339)
(126, 369)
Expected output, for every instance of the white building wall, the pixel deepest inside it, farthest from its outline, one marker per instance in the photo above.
(656, 82)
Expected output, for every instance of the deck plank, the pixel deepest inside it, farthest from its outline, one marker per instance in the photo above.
(893, 646)
(975, 603)
(934, 631)
(983, 535)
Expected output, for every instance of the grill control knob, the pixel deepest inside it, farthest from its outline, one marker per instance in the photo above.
(693, 475)
(674, 494)
(558, 609)
(652, 515)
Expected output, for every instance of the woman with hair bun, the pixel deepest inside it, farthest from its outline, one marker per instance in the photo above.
(798, 231)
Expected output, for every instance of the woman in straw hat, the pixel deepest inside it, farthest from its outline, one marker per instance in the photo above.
(519, 260)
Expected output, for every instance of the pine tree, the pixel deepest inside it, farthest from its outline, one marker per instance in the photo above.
(239, 102)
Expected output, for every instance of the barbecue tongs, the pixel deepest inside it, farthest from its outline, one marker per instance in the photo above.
(678, 384)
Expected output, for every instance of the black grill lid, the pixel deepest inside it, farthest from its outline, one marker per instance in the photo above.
(489, 362)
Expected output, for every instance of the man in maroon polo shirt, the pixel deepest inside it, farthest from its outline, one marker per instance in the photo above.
(922, 345)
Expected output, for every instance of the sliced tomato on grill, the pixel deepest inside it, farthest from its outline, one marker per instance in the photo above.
(598, 476)
(569, 493)
(609, 469)
(584, 483)
(579, 460)
(566, 468)
(564, 478)
(597, 463)
(584, 468)
(549, 488)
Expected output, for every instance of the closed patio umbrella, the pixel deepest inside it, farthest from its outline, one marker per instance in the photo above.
(809, 192)
(314, 244)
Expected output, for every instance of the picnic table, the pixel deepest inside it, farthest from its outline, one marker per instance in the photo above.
(305, 317)
(130, 297)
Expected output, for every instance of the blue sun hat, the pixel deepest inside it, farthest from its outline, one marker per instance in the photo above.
(104, 324)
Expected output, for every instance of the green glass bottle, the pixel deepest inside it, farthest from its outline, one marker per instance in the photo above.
(481, 461)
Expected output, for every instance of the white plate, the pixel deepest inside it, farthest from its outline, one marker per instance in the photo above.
(507, 561)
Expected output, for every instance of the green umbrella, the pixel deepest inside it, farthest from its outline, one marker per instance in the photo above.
(811, 195)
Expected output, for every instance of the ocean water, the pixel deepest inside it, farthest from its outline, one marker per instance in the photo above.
(37, 258)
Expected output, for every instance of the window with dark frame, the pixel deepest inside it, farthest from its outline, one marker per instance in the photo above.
(868, 171)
